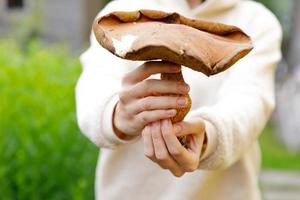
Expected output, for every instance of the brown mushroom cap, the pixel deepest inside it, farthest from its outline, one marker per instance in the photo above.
(203, 46)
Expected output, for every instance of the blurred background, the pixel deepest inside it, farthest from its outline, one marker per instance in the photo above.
(42, 153)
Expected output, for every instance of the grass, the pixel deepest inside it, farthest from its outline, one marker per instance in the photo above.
(43, 155)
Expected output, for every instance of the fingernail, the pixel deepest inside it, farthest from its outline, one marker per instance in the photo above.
(184, 88)
(171, 112)
(182, 101)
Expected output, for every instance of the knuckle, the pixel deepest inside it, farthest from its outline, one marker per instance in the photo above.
(176, 152)
(162, 157)
(188, 169)
(191, 168)
(146, 106)
(143, 119)
(149, 153)
(144, 67)
(150, 67)
(145, 103)
(125, 79)
(122, 96)
(163, 166)
(147, 85)
(126, 110)
(178, 173)
(155, 136)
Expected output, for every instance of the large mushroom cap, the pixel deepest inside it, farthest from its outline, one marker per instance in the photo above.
(203, 46)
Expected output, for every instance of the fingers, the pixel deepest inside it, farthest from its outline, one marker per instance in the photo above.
(194, 130)
(157, 103)
(149, 68)
(148, 144)
(154, 149)
(153, 87)
(147, 117)
(166, 150)
(187, 160)
(195, 143)
(161, 153)
(130, 114)
(160, 150)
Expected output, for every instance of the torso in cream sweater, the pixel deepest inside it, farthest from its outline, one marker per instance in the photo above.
(235, 104)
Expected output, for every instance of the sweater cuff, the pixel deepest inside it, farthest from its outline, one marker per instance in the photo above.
(108, 130)
(211, 140)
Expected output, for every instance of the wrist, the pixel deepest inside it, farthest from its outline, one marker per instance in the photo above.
(120, 134)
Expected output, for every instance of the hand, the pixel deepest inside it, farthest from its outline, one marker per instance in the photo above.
(140, 100)
(162, 146)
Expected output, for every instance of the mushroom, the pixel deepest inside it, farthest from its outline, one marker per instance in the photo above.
(144, 35)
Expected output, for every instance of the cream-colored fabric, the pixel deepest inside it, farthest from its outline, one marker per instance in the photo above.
(236, 105)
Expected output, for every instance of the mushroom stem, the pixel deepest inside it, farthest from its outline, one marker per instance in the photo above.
(181, 112)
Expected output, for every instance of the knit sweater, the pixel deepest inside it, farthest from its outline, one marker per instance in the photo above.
(235, 105)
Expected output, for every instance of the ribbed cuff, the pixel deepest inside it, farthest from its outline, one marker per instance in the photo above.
(211, 139)
(108, 130)
(210, 132)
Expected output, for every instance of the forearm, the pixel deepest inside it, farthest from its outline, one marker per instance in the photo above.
(236, 126)
(245, 100)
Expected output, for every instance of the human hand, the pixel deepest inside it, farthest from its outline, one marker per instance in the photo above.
(162, 146)
(140, 100)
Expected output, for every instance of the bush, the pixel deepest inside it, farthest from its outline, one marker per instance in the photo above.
(43, 154)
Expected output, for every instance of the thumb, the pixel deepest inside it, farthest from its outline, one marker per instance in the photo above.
(184, 128)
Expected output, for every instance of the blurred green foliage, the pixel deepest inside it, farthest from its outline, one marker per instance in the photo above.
(42, 153)
(275, 155)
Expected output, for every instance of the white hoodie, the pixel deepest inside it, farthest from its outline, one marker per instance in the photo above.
(236, 105)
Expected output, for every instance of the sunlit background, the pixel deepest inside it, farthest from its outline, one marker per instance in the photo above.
(42, 153)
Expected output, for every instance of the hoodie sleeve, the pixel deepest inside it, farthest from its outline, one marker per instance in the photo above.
(97, 90)
(98, 86)
(245, 99)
